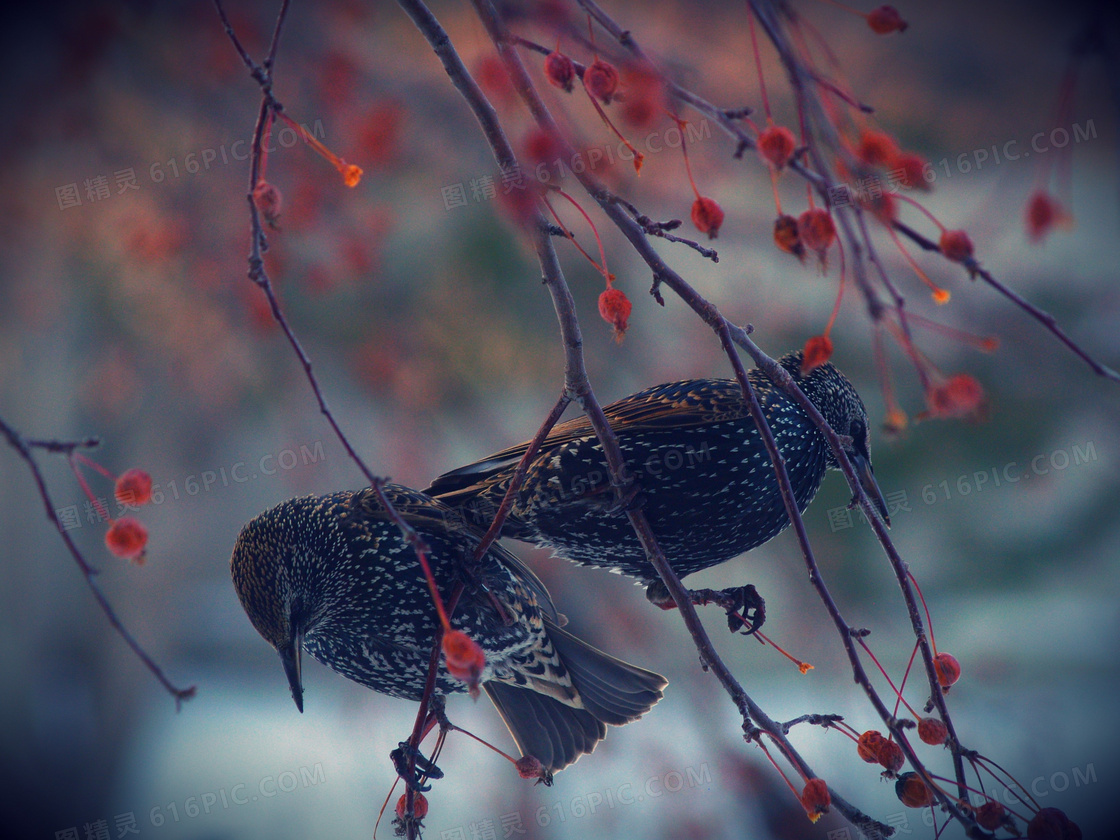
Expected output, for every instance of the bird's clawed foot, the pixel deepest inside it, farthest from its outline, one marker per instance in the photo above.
(746, 610)
(629, 497)
(413, 768)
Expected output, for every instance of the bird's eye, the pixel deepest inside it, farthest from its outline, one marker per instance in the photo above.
(858, 433)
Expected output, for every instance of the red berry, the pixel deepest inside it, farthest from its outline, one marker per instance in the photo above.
(947, 667)
(956, 245)
(911, 170)
(601, 80)
(884, 207)
(133, 488)
(529, 767)
(494, 79)
(787, 237)
(991, 815)
(419, 805)
(869, 744)
(818, 350)
(817, 230)
(560, 70)
(1052, 824)
(464, 658)
(542, 147)
(776, 145)
(912, 791)
(960, 396)
(885, 20)
(707, 215)
(614, 307)
(877, 148)
(891, 756)
(932, 731)
(815, 798)
(1044, 214)
(645, 96)
(127, 538)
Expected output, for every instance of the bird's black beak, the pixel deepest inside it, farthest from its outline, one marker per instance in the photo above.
(290, 655)
(866, 475)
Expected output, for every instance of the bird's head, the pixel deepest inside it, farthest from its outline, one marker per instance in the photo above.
(277, 573)
(836, 399)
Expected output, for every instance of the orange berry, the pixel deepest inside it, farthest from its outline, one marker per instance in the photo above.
(133, 487)
(956, 245)
(127, 538)
(815, 798)
(818, 350)
(932, 731)
(885, 20)
(776, 146)
(614, 307)
(817, 230)
(351, 174)
(601, 80)
(948, 669)
(707, 215)
(912, 791)
(869, 745)
(891, 756)
(991, 815)
(895, 421)
(464, 658)
(268, 200)
(560, 70)
(786, 236)
(419, 805)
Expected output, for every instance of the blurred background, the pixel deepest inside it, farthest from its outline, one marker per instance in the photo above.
(125, 313)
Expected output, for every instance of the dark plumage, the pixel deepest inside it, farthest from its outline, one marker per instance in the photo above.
(704, 477)
(333, 575)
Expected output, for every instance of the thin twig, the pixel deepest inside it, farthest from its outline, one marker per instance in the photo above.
(515, 482)
(1042, 316)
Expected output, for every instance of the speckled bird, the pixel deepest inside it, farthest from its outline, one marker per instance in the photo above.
(333, 575)
(704, 478)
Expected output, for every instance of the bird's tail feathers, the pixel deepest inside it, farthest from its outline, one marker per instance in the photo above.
(614, 691)
(557, 732)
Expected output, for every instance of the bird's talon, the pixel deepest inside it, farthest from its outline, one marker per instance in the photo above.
(746, 610)
(421, 767)
(628, 498)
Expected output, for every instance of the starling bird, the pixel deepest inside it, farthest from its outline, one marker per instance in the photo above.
(333, 575)
(704, 477)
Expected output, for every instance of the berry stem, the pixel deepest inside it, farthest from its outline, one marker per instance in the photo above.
(758, 66)
(890, 682)
(74, 459)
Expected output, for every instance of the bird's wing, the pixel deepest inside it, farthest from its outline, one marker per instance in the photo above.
(426, 514)
(419, 511)
(691, 402)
